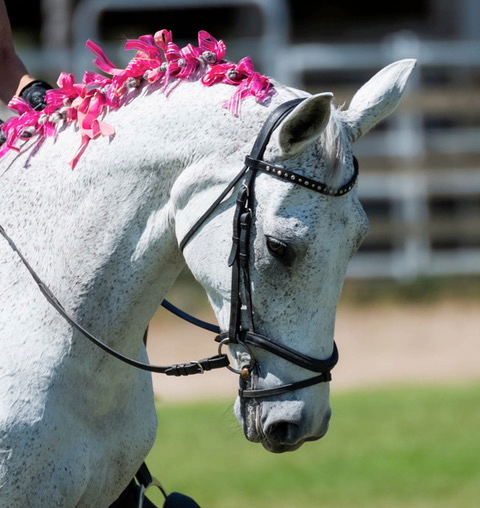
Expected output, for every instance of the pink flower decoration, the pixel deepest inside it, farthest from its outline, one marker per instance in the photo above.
(29, 123)
(157, 59)
(162, 38)
(66, 92)
(242, 75)
(102, 61)
(90, 108)
(208, 44)
(146, 47)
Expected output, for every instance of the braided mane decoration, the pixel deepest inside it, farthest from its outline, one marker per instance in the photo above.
(158, 59)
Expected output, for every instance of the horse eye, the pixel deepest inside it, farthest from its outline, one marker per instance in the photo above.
(276, 247)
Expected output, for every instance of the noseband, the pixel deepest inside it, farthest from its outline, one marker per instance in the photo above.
(241, 328)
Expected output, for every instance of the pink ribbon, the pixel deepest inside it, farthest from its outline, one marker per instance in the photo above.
(157, 58)
(242, 75)
(208, 43)
(102, 61)
(89, 109)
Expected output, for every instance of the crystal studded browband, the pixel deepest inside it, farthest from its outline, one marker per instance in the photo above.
(308, 183)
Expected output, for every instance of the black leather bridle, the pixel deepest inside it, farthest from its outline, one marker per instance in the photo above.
(241, 331)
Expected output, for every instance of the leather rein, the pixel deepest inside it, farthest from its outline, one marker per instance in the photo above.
(241, 331)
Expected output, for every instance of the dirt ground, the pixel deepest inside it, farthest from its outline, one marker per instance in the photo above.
(379, 344)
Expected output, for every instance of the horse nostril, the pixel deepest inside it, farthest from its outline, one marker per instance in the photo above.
(282, 433)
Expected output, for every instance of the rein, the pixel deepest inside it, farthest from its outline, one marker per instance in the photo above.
(241, 331)
(185, 369)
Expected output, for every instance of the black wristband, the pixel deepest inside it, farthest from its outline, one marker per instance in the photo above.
(34, 94)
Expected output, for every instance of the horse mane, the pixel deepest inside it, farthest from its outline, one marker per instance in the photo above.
(157, 60)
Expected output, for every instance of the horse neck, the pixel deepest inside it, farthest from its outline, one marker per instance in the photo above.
(105, 231)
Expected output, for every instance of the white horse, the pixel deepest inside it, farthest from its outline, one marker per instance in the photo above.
(76, 423)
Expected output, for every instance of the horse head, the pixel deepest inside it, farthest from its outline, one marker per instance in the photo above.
(299, 246)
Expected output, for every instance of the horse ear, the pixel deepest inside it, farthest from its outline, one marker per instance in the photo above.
(304, 124)
(377, 98)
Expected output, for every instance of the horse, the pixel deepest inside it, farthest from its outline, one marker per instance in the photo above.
(154, 189)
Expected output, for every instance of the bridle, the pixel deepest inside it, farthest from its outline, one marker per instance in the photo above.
(242, 331)
(241, 328)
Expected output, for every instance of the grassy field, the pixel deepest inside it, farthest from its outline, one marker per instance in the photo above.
(411, 446)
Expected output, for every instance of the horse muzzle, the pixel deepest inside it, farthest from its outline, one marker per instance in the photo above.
(280, 426)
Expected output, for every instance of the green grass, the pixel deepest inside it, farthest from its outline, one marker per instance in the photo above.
(414, 446)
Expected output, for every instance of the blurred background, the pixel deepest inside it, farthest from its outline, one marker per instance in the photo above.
(406, 390)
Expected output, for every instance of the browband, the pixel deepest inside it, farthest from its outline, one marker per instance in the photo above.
(301, 180)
